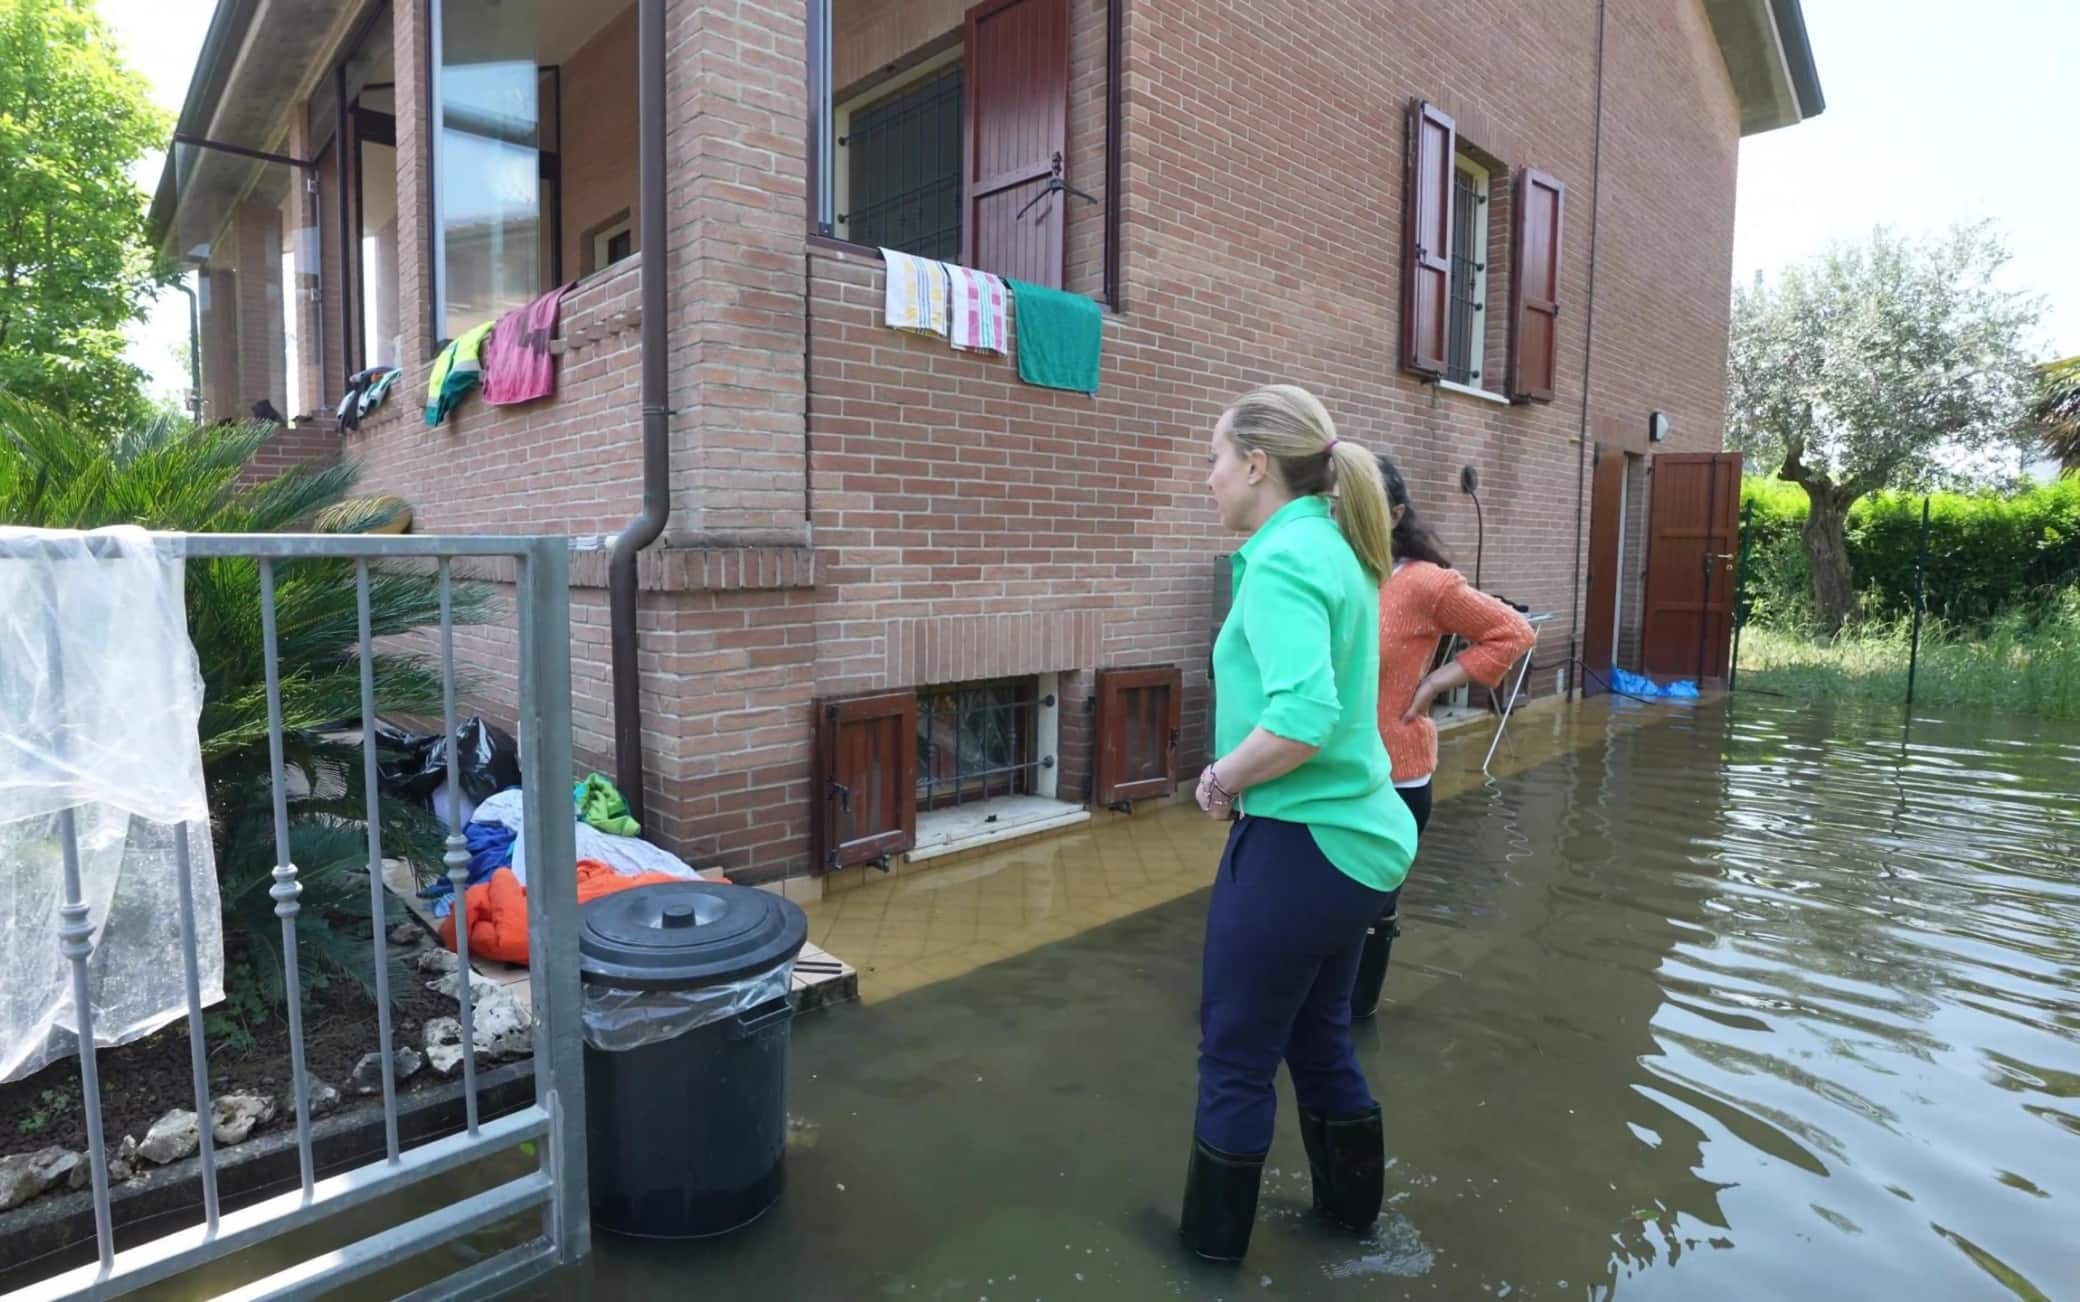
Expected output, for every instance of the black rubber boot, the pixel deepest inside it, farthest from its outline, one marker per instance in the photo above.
(1348, 1159)
(1372, 968)
(1220, 1202)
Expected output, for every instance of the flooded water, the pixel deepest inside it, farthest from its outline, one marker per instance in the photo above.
(1756, 1003)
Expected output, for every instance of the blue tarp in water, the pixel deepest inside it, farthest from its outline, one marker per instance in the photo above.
(1632, 684)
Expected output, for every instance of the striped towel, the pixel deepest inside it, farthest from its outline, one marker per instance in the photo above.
(917, 291)
(978, 311)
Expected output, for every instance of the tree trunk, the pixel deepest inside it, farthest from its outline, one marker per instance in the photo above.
(1827, 551)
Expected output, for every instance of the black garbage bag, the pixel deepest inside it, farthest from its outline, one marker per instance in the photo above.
(414, 765)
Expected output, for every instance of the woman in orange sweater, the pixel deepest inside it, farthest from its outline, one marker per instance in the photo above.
(1424, 599)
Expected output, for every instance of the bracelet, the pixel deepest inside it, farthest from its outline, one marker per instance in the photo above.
(1221, 794)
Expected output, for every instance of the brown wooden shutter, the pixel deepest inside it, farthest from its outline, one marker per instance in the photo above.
(1140, 717)
(1534, 296)
(1015, 134)
(865, 792)
(1426, 280)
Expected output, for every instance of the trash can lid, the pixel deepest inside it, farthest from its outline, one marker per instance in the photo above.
(684, 935)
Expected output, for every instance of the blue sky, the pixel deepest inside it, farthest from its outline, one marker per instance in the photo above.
(1938, 111)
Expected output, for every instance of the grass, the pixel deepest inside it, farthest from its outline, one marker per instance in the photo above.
(2022, 663)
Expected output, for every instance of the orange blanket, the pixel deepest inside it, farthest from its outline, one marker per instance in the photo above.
(497, 908)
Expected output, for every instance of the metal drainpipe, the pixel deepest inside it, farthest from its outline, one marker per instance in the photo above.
(1576, 669)
(194, 352)
(657, 490)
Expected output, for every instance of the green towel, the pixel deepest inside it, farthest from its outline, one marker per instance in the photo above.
(1059, 336)
(601, 804)
(455, 372)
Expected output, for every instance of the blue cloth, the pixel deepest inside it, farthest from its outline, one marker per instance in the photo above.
(1284, 935)
(490, 849)
(1632, 684)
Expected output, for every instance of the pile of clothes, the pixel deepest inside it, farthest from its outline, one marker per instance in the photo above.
(611, 857)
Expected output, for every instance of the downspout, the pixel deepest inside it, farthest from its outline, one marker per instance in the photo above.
(649, 524)
(194, 351)
(1574, 603)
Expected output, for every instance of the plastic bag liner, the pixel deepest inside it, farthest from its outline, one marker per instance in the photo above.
(620, 1020)
(414, 765)
(100, 699)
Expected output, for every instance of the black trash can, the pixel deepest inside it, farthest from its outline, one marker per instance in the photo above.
(687, 1018)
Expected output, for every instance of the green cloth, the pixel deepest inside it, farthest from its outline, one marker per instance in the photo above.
(1059, 337)
(1299, 657)
(455, 372)
(601, 804)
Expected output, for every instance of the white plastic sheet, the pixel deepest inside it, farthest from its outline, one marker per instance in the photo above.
(620, 1020)
(627, 855)
(100, 701)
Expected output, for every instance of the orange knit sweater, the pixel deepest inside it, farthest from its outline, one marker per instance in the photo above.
(1419, 604)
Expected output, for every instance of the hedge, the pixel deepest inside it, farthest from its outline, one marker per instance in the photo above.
(1987, 554)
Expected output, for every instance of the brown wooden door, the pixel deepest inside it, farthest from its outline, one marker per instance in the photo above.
(1016, 133)
(866, 779)
(1606, 554)
(1140, 717)
(1692, 533)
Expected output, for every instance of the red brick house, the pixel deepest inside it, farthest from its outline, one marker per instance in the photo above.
(891, 581)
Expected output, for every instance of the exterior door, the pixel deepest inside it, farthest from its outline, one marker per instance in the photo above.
(1692, 534)
(1606, 555)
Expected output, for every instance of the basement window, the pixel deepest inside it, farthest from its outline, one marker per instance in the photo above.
(976, 741)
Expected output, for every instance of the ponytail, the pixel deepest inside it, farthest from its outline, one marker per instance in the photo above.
(1361, 508)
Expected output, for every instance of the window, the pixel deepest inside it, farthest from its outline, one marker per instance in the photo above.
(353, 114)
(975, 742)
(606, 244)
(534, 150)
(1466, 327)
(956, 146)
(1445, 258)
(898, 171)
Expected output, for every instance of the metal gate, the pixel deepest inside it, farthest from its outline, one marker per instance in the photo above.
(550, 1128)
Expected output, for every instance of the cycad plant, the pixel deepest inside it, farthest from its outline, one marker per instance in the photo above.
(54, 474)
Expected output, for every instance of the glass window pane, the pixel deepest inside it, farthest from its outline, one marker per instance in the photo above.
(382, 341)
(491, 229)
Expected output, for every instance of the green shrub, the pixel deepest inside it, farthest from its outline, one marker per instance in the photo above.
(1988, 555)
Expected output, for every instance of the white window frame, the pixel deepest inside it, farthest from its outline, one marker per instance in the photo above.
(1477, 359)
(841, 128)
(604, 237)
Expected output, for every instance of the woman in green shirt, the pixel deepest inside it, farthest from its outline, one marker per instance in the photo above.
(1317, 839)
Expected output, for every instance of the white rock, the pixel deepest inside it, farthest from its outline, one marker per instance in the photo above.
(409, 934)
(446, 986)
(171, 1138)
(503, 1026)
(25, 1175)
(234, 1116)
(368, 1073)
(433, 961)
(444, 1045)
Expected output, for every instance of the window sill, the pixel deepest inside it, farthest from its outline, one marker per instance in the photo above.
(970, 827)
(869, 253)
(1468, 391)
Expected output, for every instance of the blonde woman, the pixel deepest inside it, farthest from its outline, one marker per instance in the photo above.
(1318, 840)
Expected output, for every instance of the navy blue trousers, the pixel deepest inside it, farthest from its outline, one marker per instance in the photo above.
(1283, 939)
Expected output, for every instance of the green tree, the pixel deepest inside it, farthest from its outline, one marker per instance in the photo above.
(1895, 363)
(75, 266)
(2056, 411)
(177, 476)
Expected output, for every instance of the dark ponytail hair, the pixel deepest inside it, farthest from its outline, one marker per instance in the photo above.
(1413, 540)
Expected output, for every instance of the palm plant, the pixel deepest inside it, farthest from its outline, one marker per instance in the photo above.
(2056, 411)
(175, 476)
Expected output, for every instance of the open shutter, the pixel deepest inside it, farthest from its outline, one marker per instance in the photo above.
(1426, 280)
(1140, 717)
(866, 779)
(1015, 137)
(1534, 296)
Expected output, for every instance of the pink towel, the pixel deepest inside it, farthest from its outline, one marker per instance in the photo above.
(978, 311)
(518, 366)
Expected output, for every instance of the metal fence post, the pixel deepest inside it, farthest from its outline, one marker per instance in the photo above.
(1740, 592)
(552, 885)
(1920, 605)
